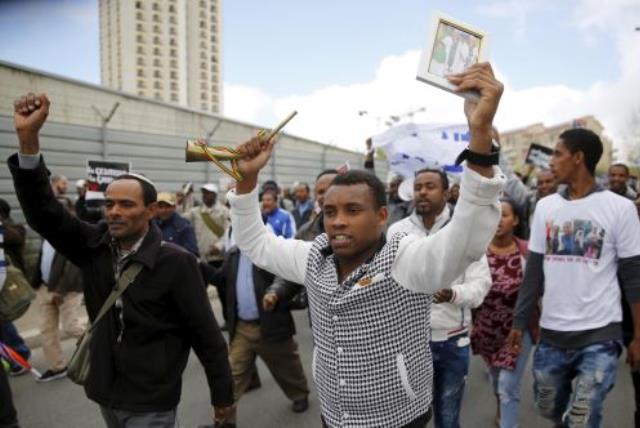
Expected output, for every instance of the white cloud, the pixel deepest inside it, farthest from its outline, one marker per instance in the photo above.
(516, 10)
(331, 114)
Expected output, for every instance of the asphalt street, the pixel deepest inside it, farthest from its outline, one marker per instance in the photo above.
(62, 404)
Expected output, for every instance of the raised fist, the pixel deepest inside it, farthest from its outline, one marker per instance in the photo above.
(30, 113)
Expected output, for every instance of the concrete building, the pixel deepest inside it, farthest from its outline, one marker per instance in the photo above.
(515, 143)
(169, 50)
(149, 134)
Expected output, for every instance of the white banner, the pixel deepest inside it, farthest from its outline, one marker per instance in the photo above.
(411, 147)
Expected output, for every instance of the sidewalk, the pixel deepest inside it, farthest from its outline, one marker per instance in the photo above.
(28, 324)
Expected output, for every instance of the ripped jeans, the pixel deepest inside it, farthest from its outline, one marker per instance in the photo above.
(450, 369)
(571, 384)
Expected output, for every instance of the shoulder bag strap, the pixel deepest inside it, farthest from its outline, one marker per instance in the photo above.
(127, 277)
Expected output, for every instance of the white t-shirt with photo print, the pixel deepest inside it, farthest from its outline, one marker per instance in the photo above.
(582, 241)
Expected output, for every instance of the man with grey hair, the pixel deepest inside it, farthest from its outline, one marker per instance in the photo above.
(60, 185)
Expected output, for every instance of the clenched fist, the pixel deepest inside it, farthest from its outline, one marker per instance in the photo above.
(29, 114)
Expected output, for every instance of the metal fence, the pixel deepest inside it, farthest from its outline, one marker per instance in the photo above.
(67, 148)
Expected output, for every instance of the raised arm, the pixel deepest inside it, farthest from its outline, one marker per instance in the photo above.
(431, 263)
(43, 212)
(286, 258)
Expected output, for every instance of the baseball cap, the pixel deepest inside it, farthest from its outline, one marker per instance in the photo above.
(210, 187)
(167, 198)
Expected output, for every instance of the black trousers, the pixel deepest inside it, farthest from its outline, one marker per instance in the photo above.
(8, 415)
(421, 422)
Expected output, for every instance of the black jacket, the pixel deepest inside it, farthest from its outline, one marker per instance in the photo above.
(276, 325)
(165, 310)
(64, 277)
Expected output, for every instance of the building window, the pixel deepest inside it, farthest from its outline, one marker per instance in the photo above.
(140, 84)
(156, 7)
(174, 86)
(173, 63)
(157, 85)
(157, 74)
(174, 75)
(140, 50)
(203, 96)
(156, 18)
(203, 24)
(214, 98)
(172, 8)
(173, 53)
(203, 44)
(139, 16)
(140, 72)
(172, 41)
(156, 51)
(203, 75)
(140, 61)
(156, 40)
(141, 93)
(172, 31)
(203, 3)
(139, 38)
(214, 39)
(138, 5)
(157, 96)
(213, 8)
(157, 63)
(214, 59)
(172, 19)
(204, 106)
(203, 55)
(203, 34)
(156, 29)
(203, 65)
(139, 27)
(174, 97)
(203, 86)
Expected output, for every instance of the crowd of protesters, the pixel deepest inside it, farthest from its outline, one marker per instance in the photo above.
(401, 290)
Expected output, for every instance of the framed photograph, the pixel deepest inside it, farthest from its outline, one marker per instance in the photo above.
(452, 47)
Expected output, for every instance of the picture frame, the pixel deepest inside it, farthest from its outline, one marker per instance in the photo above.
(452, 47)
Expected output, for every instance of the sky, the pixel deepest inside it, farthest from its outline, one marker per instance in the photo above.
(330, 60)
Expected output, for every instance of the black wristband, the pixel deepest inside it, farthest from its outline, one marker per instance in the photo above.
(482, 159)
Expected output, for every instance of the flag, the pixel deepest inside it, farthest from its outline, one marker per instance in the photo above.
(10, 355)
(411, 147)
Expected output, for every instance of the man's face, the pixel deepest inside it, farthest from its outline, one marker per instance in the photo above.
(209, 198)
(429, 194)
(302, 194)
(269, 203)
(618, 179)
(393, 187)
(564, 164)
(62, 185)
(351, 219)
(165, 210)
(454, 192)
(546, 184)
(127, 216)
(322, 184)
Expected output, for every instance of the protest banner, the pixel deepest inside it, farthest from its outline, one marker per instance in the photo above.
(100, 174)
(539, 156)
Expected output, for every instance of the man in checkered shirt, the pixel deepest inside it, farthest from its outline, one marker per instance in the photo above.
(370, 298)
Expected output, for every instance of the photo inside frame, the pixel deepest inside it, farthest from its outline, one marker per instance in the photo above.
(455, 49)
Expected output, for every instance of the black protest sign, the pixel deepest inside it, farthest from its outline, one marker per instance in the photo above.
(101, 173)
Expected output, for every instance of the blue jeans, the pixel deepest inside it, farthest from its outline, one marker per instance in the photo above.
(570, 385)
(506, 385)
(450, 369)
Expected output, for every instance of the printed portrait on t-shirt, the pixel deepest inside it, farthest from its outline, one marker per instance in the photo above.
(581, 238)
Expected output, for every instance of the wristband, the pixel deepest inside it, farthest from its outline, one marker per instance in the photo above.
(482, 159)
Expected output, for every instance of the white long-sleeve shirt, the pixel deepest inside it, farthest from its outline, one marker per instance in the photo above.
(371, 331)
(469, 290)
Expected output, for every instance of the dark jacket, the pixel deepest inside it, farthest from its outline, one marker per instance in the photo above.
(276, 325)
(178, 230)
(65, 277)
(165, 310)
(301, 219)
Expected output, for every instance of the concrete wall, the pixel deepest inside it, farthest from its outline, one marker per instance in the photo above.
(149, 134)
